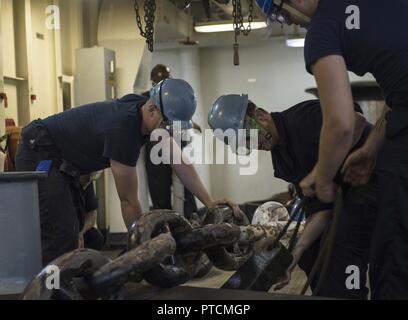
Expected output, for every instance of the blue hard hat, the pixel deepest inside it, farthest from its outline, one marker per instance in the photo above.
(176, 100)
(265, 5)
(228, 112)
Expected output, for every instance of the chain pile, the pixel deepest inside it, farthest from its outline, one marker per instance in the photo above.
(164, 249)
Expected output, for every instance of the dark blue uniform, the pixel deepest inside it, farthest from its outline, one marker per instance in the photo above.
(78, 141)
(293, 159)
(92, 135)
(379, 47)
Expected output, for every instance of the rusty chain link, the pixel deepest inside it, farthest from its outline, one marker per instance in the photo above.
(149, 16)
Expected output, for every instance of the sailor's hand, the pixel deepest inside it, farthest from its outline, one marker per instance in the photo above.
(226, 201)
(358, 167)
(312, 187)
(308, 184)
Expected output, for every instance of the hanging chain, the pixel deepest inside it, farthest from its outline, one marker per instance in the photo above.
(251, 16)
(149, 16)
(239, 26)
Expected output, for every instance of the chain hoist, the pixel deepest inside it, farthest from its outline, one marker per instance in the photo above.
(148, 31)
(239, 26)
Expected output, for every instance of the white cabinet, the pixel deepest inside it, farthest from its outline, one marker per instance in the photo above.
(95, 75)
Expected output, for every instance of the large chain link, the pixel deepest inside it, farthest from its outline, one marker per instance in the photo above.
(149, 16)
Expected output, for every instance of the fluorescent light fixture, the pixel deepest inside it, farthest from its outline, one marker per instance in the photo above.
(295, 42)
(207, 27)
